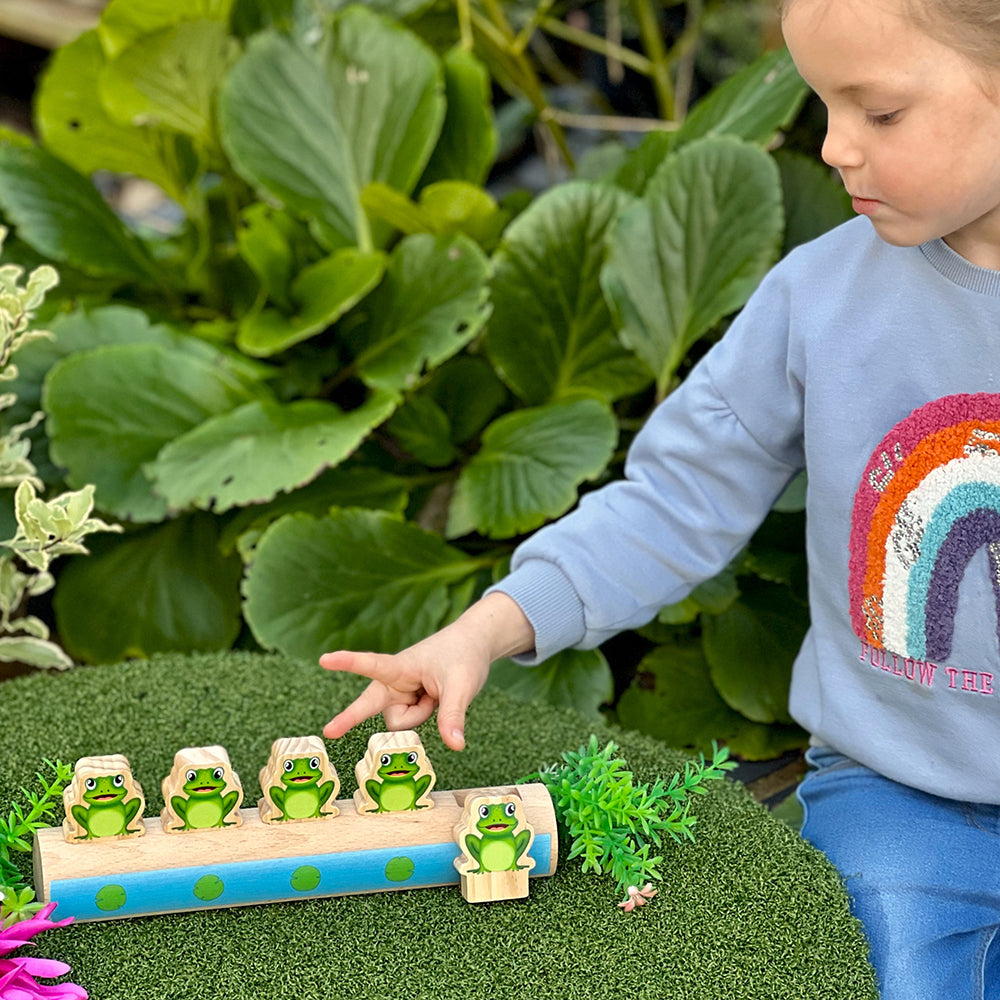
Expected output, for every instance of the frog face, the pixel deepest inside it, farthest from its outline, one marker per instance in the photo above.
(204, 781)
(398, 766)
(301, 772)
(496, 819)
(104, 790)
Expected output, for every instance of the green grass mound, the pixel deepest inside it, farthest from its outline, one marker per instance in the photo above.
(749, 911)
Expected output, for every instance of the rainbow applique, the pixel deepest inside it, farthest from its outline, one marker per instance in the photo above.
(929, 499)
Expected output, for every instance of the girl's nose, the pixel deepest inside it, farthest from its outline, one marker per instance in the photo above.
(840, 147)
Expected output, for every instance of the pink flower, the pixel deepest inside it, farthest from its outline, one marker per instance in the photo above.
(17, 974)
(637, 897)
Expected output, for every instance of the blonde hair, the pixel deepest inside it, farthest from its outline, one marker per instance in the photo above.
(971, 27)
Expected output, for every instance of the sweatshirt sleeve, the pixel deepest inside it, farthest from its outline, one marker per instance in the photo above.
(699, 478)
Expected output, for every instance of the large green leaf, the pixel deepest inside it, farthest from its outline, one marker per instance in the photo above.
(124, 21)
(693, 249)
(551, 332)
(355, 486)
(75, 125)
(575, 678)
(260, 449)
(312, 129)
(357, 579)
(433, 300)
(389, 91)
(320, 294)
(281, 131)
(752, 104)
(59, 213)
(530, 466)
(170, 78)
(163, 588)
(751, 646)
(468, 140)
(110, 410)
(672, 698)
(113, 324)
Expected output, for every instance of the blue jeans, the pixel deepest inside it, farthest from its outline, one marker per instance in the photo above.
(923, 874)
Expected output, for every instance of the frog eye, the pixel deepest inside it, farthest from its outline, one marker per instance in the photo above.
(314, 763)
(119, 781)
(412, 757)
(289, 765)
(91, 784)
(385, 760)
(191, 775)
(484, 811)
(218, 774)
(509, 809)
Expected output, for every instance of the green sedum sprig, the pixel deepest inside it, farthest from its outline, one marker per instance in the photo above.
(615, 823)
(17, 829)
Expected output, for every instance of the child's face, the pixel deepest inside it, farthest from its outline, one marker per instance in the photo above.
(913, 126)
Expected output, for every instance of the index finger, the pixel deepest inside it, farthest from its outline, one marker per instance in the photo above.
(371, 701)
(374, 666)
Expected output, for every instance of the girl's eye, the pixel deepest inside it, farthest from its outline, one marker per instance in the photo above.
(883, 119)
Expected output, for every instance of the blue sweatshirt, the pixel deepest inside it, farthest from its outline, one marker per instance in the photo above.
(875, 368)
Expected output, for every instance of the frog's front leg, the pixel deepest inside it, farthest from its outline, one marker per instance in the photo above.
(131, 811)
(80, 815)
(520, 846)
(228, 804)
(325, 791)
(374, 789)
(180, 806)
(422, 785)
(278, 798)
(472, 845)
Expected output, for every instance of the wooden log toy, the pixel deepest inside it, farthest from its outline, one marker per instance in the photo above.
(273, 862)
(201, 792)
(298, 782)
(103, 800)
(394, 775)
(495, 838)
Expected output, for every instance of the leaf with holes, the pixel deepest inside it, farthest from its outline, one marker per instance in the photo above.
(431, 303)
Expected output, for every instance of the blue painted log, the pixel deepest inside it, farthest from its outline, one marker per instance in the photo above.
(258, 862)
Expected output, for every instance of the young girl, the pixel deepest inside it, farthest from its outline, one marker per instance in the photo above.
(870, 357)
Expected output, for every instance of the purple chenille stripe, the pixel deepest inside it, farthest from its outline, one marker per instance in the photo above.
(967, 536)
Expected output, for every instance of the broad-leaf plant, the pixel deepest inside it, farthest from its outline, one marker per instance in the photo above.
(327, 398)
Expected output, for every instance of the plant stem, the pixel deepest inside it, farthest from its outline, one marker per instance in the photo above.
(464, 12)
(652, 42)
(499, 39)
(608, 49)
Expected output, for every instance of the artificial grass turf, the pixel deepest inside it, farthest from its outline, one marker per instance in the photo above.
(748, 911)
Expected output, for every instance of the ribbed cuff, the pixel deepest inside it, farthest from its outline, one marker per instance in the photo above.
(550, 603)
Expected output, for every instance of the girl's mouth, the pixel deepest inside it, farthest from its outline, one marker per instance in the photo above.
(864, 206)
